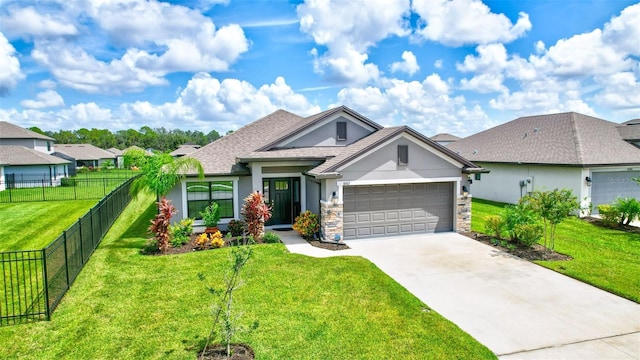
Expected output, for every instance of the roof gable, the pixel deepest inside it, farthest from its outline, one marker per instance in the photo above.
(11, 131)
(565, 138)
(84, 152)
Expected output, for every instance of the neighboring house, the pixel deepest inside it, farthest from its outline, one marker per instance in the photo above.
(444, 139)
(83, 155)
(11, 134)
(362, 179)
(183, 150)
(594, 158)
(119, 163)
(22, 167)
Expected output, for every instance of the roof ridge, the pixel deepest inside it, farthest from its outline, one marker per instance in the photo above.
(576, 137)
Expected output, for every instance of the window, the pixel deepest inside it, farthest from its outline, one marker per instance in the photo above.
(342, 130)
(48, 146)
(403, 154)
(478, 176)
(201, 194)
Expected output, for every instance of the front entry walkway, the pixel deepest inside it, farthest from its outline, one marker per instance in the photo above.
(517, 309)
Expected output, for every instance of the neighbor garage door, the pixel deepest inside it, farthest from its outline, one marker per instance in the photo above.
(607, 186)
(387, 210)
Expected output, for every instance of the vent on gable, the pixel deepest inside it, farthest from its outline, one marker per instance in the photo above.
(403, 154)
(341, 127)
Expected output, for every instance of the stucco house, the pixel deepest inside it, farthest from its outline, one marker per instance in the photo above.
(119, 154)
(25, 158)
(84, 155)
(363, 180)
(595, 158)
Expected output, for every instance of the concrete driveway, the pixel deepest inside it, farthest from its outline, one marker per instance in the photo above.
(517, 309)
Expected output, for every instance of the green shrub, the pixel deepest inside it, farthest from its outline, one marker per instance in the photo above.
(271, 238)
(181, 232)
(515, 215)
(306, 224)
(529, 234)
(628, 209)
(68, 182)
(211, 215)
(494, 225)
(237, 227)
(609, 214)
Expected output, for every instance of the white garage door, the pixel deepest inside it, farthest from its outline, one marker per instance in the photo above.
(397, 209)
(607, 186)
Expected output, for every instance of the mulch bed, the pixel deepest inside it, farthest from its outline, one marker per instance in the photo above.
(534, 253)
(219, 352)
(186, 248)
(598, 222)
(328, 245)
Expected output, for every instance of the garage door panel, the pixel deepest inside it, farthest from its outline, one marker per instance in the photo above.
(387, 210)
(607, 186)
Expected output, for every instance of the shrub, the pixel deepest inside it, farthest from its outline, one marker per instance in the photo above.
(160, 224)
(181, 232)
(529, 234)
(202, 241)
(211, 215)
(609, 214)
(237, 227)
(628, 209)
(68, 181)
(255, 213)
(515, 215)
(306, 224)
(215, 239)
(271, 238)
(494, 225)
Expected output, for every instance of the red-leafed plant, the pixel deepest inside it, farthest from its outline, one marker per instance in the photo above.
(160, 224)
(255, 213)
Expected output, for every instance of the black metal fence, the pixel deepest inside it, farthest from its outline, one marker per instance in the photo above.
(72, 188)
(33, 282)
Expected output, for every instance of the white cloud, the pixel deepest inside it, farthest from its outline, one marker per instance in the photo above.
(348, 28)
(460, 22)
(428, 106)
(47, 84)
(623, 32)
(45, 99)
(27, 22)
(10, 73)
(409, 65)
(205, 104)
(484, 83)
(621, 91)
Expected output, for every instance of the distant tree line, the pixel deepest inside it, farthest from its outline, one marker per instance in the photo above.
(159, 139)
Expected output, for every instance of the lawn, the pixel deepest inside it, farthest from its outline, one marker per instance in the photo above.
(126, 305)
(606, 258)
(33, 225)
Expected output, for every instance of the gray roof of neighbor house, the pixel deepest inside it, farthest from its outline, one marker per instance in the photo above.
(258, 141)
(562, 139)
(84, 151)
(630, 130)
(445, 137)
(20, 155)
(11, 131)
(115, 151)
(185, 149)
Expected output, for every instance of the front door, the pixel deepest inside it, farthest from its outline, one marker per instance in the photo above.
(284, 196)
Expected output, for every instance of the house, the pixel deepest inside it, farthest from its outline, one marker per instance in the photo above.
(23, 167)
(25, 159)
(444, 139)
(595, 158)
(362, 179)
(183, 150)
(119, 163)
(84, 155)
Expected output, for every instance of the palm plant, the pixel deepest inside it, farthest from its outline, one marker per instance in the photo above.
(160, 173)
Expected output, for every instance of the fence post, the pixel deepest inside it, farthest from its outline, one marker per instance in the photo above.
(66, 259)
(46, 283)
(43, 195)
(81, 239)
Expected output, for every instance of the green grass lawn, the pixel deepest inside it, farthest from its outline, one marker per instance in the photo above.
(129, 306)
(606, 258)
(33, 225)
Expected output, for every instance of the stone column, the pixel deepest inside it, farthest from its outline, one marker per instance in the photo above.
(463, 213)
(330, 221)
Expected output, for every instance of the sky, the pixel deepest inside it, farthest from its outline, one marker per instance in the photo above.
(452, 66)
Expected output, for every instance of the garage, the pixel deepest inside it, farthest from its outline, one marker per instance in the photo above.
(397, 209)
(607, 186)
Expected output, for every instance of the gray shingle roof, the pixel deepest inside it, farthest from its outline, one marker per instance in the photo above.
(563, 139)
(310, 153)
(115, 151)
(20, 155)
(84, 151)
(11, 131)
(445, 137)
(630, 130)
(184, 150)
(219, 157)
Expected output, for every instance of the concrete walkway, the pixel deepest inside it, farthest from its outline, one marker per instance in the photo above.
(517, 309)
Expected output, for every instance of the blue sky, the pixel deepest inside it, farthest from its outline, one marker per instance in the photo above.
(456, 66)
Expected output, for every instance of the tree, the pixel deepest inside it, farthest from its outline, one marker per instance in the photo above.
(553, 207)
(161, 172)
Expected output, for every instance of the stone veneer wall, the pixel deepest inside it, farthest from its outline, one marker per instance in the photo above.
(463, 213)
(330, 220)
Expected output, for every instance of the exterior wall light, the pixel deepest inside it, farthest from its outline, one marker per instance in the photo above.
(588, 180)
